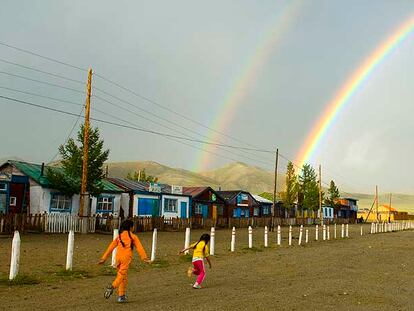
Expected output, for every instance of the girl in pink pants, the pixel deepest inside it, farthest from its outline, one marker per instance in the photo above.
(200, 251)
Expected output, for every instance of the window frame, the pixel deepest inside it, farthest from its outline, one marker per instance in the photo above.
(110, 200)
(3, 186)
(14, 200)
(67, 199)
(167, 205)
(198, 209)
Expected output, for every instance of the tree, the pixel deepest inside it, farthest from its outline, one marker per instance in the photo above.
(333, 194)
(141, 176)
(68, 178)
(290, 195)
(309, 190)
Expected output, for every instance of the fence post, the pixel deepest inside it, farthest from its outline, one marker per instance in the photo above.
(335, 231)
(306, 236)
(233, 239)
(250, 237)
(279, 235)
(372, 228)
(300, 234)
(316, 232)
(266, 237)
(69, 254)
(347, 230)
(154, 244)
(290, 235)
(328, 233)
(115, 236)
(187, 239)
(212, 241)
(342, 231)
(361, 231)
(15, 256)
(324, 232)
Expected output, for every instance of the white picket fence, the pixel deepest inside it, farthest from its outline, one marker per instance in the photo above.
(63, 223)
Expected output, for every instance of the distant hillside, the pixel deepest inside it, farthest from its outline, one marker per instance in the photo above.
(402, 202)
(165, 174)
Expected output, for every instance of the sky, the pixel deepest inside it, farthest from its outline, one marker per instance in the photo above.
(188, 56)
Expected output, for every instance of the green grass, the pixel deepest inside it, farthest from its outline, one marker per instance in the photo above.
(22, 279)
(73, 275)
(160, 263)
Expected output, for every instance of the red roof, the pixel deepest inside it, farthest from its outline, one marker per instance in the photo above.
(194, 191)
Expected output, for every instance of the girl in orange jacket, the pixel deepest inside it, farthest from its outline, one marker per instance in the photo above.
(125, 243)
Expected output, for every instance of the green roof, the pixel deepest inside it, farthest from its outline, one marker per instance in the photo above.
(33, 171)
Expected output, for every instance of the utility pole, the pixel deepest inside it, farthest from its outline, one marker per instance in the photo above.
(85, 146)
(376, 203)
(320, 194)
(389, 211)
(274, 189)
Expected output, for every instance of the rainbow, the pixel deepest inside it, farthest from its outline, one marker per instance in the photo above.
(227, 109)
(351, 86)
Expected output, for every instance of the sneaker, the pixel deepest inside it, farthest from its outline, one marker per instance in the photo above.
(108, 291)
(197, 286)
(190, 272)
(122, 299)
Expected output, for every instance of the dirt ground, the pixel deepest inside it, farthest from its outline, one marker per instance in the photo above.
(372, 272)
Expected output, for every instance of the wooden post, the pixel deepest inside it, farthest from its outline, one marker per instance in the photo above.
(316, 233)
(275, 185)
(212, 241)
(376, 205)
(250, 237)
(342, 231)
(279, 235)
(300, 234)
(115, 236)
(85, 148)
(69, 254)
(306, 236)
(290, 235)
(266, 240)
(187, 239)
(154, 244)
(15, 256)
(233, 239)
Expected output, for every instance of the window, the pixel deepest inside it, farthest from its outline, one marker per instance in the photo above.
(235, 213)
(3, 186)
(198, 209)
(220, 210)
(171, 205)
(265, 210)
(13, 201)
(256, 211)
(105, 204)
(60, 203)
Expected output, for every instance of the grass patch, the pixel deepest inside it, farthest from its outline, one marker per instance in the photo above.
(186, 258)
(160, 263)
(21, 279)
(74, 274)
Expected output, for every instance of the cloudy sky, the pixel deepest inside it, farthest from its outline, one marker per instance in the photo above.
(279, 62)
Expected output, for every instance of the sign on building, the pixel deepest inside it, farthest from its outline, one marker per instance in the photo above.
(154, 187)
(177, 189)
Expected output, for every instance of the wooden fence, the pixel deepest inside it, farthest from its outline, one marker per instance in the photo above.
(62, 223)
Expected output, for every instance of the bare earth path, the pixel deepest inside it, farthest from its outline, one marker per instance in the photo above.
(372, 272)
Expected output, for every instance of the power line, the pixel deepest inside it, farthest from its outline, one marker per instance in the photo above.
(42, 56)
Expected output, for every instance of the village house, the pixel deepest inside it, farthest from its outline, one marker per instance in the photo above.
(24, 188)
(206, 203)
(265, 206)
(240, 204)
(153, 199)
(346, 208)
(385, 213)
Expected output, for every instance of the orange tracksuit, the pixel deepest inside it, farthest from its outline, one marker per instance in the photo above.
(123, 258)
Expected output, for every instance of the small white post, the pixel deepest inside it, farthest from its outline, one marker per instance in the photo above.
(279, 235)
(328, 233)
(316, 233)
(376, 227)
(187, 239)
(154, 244)
(335, 231)
(15, 256)
(342, 231)
(250, 237)
(306, 236)
(347, 230)
(372, 228)
(69, 254)
(300, 234)
(324, 232)
(233, 239)
(266, 237)
(290, 235)
(212, 241)
(115, 236)
(362, 231)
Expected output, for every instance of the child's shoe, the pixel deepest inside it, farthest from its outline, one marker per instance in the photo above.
(122, 299)
(190, 272)
(197, 286)
(108, 291)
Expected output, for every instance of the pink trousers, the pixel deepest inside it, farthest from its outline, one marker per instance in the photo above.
(199, 270)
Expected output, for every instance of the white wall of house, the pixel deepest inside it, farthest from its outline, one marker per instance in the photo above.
(116, 203)
(125, 203)
(138, 196)
(179, 200)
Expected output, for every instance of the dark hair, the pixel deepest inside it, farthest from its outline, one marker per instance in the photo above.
(126, 226)
(204, 237)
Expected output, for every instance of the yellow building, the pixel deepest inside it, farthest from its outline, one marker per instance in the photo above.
(385, 213)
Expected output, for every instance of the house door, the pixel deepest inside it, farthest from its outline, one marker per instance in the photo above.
(148, 207)
(183, 209)
(205, 210)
